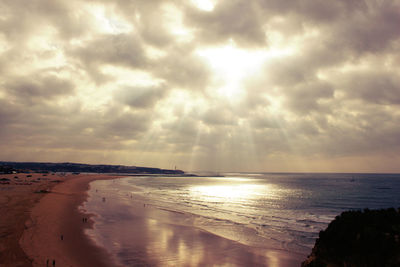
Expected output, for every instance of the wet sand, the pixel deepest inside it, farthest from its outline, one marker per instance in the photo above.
(154, 237)
(52, 229)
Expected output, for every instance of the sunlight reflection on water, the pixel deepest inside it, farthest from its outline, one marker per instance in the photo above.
(227, 192)
(238, 190)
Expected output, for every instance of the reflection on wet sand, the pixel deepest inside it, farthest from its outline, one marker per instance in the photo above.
(187, 246)
(149, 236)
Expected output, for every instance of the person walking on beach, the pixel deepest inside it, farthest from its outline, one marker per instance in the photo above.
(54, 263)
(62, 237)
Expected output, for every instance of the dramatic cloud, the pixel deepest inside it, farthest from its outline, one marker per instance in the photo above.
(33, 87)
(140, 97)
(300, 85)
(234, 19)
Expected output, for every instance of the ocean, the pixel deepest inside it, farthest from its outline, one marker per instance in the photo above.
(280, 211)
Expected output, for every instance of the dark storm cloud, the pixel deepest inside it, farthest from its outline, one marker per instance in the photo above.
(8, 113)
(316, 11)
(146, 17)
(366, 26)
(181, 131)
(126, 125)
(357, 26)
(27, 124)
(300, 68)
(219, 116)
(182, 68)
(373, 31)
(376, 86)
(38, 87)
(238, 20)
(247, 23)
(25, 17)
(368, 131)
(265, 121)
(53, 126)
(119, 50)
(304, 98)
(140, 97)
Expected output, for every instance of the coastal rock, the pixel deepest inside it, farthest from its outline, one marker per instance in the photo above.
(359, 238)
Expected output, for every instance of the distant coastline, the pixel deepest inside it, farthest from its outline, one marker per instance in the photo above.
(13, 167)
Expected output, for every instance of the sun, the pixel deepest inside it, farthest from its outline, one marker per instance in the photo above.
(231, 65)
(206, 5)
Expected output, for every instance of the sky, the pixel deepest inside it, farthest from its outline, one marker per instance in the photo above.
(230, 85)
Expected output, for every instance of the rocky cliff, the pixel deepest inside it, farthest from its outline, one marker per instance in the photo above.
(359, 238)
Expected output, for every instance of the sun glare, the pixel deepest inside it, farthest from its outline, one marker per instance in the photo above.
(206, 5)
(231, 65)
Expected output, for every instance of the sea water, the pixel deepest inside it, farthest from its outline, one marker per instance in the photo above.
(283, 211)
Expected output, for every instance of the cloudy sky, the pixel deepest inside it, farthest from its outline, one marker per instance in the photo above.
(230, 85)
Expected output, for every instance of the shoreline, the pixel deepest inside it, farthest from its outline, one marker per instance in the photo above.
(158, 237)
(55, 230)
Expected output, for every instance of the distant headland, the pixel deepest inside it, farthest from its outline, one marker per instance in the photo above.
(11, 167)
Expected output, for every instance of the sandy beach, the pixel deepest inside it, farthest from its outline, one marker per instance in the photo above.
(55, 229)
(17, 198)
(50, 228)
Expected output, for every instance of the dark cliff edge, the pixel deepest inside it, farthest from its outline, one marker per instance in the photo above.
(359, 238)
